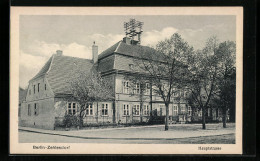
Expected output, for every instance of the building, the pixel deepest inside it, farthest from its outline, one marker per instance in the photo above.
(48, 95)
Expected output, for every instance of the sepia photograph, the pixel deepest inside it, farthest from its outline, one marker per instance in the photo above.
(162, 78)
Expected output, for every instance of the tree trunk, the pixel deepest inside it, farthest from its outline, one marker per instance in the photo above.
(224, 118)
(203, 118)
(167, 118)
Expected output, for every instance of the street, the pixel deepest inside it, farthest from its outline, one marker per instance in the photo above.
(177, 134)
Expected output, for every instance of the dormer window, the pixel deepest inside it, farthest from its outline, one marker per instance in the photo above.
(131, 66)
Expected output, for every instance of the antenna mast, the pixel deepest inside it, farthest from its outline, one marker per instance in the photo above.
(133, 28)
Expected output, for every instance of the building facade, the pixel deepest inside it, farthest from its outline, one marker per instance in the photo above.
(47, 99)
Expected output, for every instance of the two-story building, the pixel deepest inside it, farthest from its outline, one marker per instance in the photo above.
(48, 91)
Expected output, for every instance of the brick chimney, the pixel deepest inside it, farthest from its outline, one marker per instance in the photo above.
(59, 52)
(94, 52)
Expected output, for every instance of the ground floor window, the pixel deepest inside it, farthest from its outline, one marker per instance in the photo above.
(72, 108)
(200, 112)
(89, 109)
(125, 109)
(146, 110)
(36, 109)
(136, 110)
(175, 110)
(104, 109)
(189, 110)
(29, 110)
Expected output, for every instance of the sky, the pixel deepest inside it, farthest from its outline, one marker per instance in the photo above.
(41, 35)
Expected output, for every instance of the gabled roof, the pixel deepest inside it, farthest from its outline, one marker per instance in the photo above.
(60, 71)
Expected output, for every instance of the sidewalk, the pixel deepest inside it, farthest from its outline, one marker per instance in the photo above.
(154, 132)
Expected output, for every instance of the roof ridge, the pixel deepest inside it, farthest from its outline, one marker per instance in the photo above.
(50, 64)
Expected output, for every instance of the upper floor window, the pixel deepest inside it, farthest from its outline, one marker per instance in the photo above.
(45, 87)
(147, 88)
(29, 110)
(146, 110)
(189, 110)
(126, 109)
(175, 110)
(34, 89)
(136, 88)
(126, 87)
(136, 110)
(131, 66)
(182, 109)
(38, 87)
(89, 109)
(104, 109)
(72, 108)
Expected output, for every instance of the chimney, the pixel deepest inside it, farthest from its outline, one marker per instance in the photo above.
(94, 53)
(127, 40)
(59, 52)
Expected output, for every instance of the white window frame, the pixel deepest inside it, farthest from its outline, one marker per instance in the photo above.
(70, 110)
(104, 109)
(136, 88)
(182, 109)
(136, 110)
(126, 87)
(189, 110)
(126, 110)
(89, 109)
(146, 111)
(147, 88)
(175, 110)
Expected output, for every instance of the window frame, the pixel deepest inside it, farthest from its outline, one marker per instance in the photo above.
(189, 110)
(147, 88)
(29, 113)
(38, 87)
(70, 108)
(136, 88)
(175, 111)
(104, 111)
(126, 87)
(135, 107)
(126, 109)
(89, 110)
(146, 111)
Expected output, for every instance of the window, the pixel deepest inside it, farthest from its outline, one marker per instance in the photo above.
(146, 110)
(208, 111)
(34, 89)
(126, 109)
(189, 110)
(89, 109)
(136, 110)
(137, 88)
(29, 110)
(147, 88)
(38, 87)
(175, 110)
(182, 109)
(104, 109)
(126, 87)
(72, 108)
(36, 110)
(131, 66)
(200, 112)
(45, 87)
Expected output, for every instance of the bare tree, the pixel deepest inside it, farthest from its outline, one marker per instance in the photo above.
(87, 88)
(167, 66)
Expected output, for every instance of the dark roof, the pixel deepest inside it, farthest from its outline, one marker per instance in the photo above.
(137, 51)
(60, 71)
